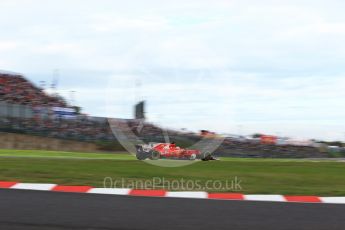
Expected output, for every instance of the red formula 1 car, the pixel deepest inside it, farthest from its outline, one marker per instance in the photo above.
(155, 151)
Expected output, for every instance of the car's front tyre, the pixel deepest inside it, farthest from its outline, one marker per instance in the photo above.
(192, 157)
(154, 155)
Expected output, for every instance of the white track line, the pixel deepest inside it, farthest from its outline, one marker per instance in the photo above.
(275, 198)
(110, 191)
(37, 187)
(196, 195)
(333, 200)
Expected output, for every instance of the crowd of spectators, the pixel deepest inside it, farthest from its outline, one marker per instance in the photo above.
(16, 89)
(252, 148)
(76, 129)
(147, 129)
(134, 129)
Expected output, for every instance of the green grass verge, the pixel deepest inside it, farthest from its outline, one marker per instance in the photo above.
(258, 176)
(63, 155)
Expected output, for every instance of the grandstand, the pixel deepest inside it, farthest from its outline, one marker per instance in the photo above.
(16, 89)
(27, 109)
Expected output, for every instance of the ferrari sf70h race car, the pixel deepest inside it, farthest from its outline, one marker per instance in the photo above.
(155, 151)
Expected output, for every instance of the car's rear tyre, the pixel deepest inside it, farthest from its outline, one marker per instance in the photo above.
(206, 156)
(141, 154)
(154, 155)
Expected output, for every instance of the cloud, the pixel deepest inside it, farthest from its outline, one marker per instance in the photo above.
(214, 64)
(7, 45)
(111, 23)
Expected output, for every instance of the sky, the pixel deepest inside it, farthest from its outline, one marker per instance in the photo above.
(239, 67)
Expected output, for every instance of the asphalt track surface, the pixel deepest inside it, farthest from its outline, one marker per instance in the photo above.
(32, 210)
